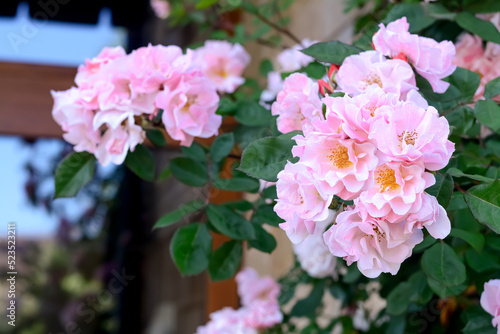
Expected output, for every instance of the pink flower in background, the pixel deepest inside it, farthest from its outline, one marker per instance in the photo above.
(301, 193)
(431, 59)
(297, 103)
(263, 314)
(76, 121)
(223, 63)
(490, 301)
(397, 191)
(375, 244)
(274, 86)
(189, 108)
(227, 321)
(292, 59)
(371, 68)
(469, 48)
(432, 216)
(413, 134)
(252, 288)
(313, 254)
(161, 8)
(360, 112)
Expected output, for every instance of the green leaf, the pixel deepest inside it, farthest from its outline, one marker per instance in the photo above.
(75, 171)
(484, 202)
(333, 52)
(251, 113)
(439, 11)
(227, 107)
(204, 4)
(156, 137)
(353, 274)
(315, 70)
(482, 261)
(442, 189)
(270, 193)
(414, 13)
(225, 261)
(246, 184)
(442, 264)
(190, 248)
(421, 293)
(428, 241)
(475, 239)
(165, 174)
(264, 241)
(484, 29)
(265, 67)
(308, 305)
(484, 6)
(338, 292)
(189, 171)
(141, 162)
(445, 291)
(465, 82)
(230, 223)
(176, 215)
(399, 298)
(458, 173)
(488, 114)
(195, 152)
(240, 205)
(492, 88)
(265, 215)
(481, 324)
(266, 157)
(222, 146)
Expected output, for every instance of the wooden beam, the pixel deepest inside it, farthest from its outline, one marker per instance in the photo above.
(25, 100)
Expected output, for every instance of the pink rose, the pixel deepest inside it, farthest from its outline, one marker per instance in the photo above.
(313, 254)
(93, 66)
(375, 244)
(223, 63)
(263, 314)
(344, 164)
(490, 300)
(292, 59)
(252, 288)
(432, 216)
(371, 68)
(161, 8)
(396, 192)
(411, 133)
(297, 229)
(360, 112)
(297, 103)
(301, 193)
(431, 59)
(189, 105)
(227, 321)
(75, 120)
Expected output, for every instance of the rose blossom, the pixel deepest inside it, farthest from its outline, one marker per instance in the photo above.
(312, 253)
(293, 59)
(377, 245)
(412, 134)
(76, 121)
(297, 103)
(490, 301)
(431, 59)
(344, 164)
(396, 192)
(189, 108)
(432, 216)
(371, 68)
(161, 8)
(227, 321)
(223, 63)
(92, 66)
(297, 229)
(301, 193)
(360, 112)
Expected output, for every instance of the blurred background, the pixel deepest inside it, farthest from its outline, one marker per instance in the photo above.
(91, 264)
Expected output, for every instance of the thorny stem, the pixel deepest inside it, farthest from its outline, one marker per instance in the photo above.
(459, 188)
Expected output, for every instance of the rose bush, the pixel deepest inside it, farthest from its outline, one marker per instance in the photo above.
(385, 153)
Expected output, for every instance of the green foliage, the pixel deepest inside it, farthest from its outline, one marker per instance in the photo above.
(484, 29)
(484, 202)
(176, 215)
(488, 114)
(222, 146)
(331, 52)
(190, 248)
(225, 261)
(189, 171)
(141, 162)
(230, 223)
(74, 172)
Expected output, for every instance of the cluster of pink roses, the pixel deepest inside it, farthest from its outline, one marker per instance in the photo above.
(260, 307)
(375, 146)
(116, 93)
(483, 60)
